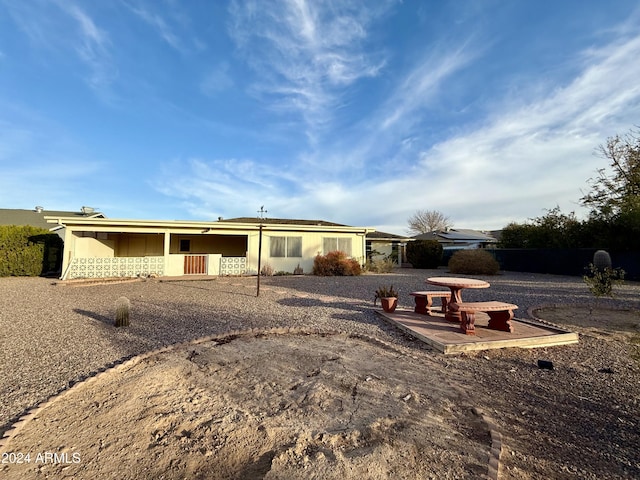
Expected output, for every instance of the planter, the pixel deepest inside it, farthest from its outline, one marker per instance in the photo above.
(389, 304)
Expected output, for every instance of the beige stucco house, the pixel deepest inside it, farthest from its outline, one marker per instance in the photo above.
(104, 247)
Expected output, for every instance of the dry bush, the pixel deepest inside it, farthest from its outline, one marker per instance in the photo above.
(473, 262)
(385, 265)
(335, 264)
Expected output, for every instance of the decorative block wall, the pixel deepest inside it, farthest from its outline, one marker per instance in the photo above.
(233, 265)
(100, 267)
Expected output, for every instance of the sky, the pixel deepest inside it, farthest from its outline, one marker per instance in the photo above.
(354, 112)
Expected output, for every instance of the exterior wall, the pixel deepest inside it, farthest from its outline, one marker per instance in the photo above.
(92, 247)
(226, 245)
(138, 244)
(311, 246)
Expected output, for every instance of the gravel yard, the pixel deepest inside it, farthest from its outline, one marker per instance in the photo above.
(577, 421)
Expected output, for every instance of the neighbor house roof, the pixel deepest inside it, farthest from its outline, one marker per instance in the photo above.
(385, 236)
(457, 236)
(35, 217)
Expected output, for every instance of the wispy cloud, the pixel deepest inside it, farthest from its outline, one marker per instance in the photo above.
(63, 26)
(420, 86)
(93, 47)
(526, 155)
(305, 52)
(158, 23)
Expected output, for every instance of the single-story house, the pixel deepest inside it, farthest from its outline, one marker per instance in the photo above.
(381, 245)
(36, 217)
(458, 238)
(104, 247)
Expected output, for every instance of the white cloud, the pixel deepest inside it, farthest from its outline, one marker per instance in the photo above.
(304, 53)
(525, 154)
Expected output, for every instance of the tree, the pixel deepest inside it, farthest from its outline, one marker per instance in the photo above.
(618, 190)
(553, 230)
(426, 221)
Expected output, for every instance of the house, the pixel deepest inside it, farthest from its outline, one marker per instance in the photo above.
(454, 239)
(381, 245)
(36, 217)
(102, 247)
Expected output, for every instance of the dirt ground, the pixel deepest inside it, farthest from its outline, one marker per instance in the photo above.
(271, 406)
(279, 405)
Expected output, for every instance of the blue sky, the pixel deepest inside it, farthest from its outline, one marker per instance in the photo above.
(357, 112)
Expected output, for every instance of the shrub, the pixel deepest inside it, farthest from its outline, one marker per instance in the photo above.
(380, 266)
(601, 280)
(473, 262)
(28, 251)
(266, 270)
(335, 264)
(424, 253)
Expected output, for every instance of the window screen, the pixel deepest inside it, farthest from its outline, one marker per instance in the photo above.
(277, 246)
(285, 246)
(331, 244)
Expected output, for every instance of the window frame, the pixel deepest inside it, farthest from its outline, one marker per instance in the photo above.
(288, 250)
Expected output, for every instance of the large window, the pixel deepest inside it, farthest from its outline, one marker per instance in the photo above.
(331, 244)
(285, 246)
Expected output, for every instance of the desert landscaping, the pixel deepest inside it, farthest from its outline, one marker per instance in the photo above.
(307, 381)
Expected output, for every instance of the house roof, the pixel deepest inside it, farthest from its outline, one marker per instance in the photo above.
(282, 221)
(187, 226)
(36, 217)
(458, 235)
(385, 236)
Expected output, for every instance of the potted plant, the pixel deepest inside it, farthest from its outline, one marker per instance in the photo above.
(388, 298)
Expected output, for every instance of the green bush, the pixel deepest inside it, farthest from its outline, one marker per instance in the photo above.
(601, 280)
(473, 262)
(424, 253)
(335, 264)
(28, 251)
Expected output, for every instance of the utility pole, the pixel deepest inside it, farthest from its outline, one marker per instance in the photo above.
(261, 212)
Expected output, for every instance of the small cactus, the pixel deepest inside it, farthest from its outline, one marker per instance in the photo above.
(122, 312)
(602, 260)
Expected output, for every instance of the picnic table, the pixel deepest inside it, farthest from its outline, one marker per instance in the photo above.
(456, 284)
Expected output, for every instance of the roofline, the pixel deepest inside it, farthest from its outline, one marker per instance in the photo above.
(189, 224)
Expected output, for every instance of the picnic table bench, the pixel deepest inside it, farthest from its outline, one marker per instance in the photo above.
(500, 315)
(424, 300)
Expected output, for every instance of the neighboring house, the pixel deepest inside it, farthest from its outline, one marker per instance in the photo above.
(459, 239)
(381, 245)
(35, 217)
(101, 247)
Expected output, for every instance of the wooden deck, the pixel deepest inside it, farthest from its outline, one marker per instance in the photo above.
(446, 337)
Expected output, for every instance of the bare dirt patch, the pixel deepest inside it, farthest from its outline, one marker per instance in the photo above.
(260, 406)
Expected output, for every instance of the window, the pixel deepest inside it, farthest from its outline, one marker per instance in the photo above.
(331, 244)
(185, 245)
(285, 246)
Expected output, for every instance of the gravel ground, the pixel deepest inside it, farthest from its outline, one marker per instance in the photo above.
(572, 422)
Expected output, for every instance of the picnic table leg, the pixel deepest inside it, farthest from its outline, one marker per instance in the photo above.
(501, 321)
(453, 315)
(422, 305)
(467, 323)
